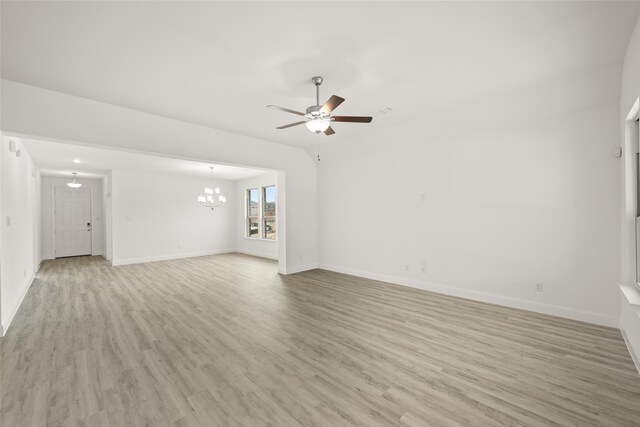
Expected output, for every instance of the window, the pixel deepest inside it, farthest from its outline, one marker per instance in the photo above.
(253, 213)
(269, 212)
(261, 213)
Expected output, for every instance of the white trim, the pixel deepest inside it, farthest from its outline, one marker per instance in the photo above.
(554, 310)
(261, 239)
(4, 327)
(631, 293)
(634, 111)
(257, 254)
(634, 356)
(298, 269)
(170, 257)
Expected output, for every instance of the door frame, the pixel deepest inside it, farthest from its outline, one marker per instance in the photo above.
(53, 217)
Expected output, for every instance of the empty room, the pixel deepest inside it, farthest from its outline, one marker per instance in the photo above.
(319, 213)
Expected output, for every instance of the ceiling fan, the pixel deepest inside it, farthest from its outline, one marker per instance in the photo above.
(318, 117)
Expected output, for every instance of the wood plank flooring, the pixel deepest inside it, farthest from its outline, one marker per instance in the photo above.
(224, 340)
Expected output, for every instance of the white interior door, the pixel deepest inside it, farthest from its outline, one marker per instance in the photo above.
(72, 221)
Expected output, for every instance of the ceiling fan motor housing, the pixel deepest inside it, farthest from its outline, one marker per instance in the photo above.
(314, 111)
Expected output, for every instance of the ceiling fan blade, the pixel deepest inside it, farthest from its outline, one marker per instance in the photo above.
(331, 104)
(275, 107)
(352, 119)
(291, 124)
(329, 131)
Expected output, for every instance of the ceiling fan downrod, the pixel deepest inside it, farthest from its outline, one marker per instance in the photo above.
(317, 80)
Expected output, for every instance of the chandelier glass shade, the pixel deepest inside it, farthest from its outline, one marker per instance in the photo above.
(74, 183)
(212, 197)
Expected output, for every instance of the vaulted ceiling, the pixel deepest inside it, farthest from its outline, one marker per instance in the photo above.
(220, 63)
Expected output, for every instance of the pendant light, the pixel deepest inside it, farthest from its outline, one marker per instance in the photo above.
(74, 183)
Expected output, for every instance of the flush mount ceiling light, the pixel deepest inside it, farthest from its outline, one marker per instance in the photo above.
(76, 160)
(212, 198)
(318, 117)
(74, 183)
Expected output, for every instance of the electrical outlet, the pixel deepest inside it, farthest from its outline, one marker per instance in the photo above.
(407, 267)
(423, 197)
(423, 266)
(179, 247)
(539, 287)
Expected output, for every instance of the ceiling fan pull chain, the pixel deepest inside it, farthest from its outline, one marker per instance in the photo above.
(318, 149)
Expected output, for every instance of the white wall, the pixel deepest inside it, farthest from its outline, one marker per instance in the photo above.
(97, 213)
(518, 189)
(630, 297)
(257, 247)
(43, 113)
(19, 237)
(158, 217)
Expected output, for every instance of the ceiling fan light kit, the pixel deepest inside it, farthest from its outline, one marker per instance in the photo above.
(318, 124)
(318, 117)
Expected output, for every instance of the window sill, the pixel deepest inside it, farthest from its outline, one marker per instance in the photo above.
(632, 293)
(259, 239)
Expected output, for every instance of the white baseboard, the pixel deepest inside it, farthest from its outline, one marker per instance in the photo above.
(298, 269)
(554, 310)
(258, 254)
(634, 356)
(46, 257)
(5, 327)
(170, 257)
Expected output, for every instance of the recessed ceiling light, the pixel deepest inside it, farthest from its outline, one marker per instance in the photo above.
(76, 160)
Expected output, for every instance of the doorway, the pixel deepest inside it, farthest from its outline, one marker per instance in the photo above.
(72, 228)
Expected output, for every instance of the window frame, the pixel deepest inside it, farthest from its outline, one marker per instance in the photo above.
(261, 218)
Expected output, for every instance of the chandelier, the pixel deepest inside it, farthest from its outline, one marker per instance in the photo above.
(74, 183)
(212, 198)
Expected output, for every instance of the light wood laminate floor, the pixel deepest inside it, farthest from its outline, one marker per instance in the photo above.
(224, 340)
